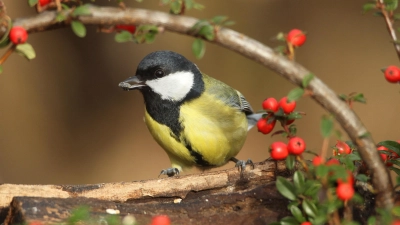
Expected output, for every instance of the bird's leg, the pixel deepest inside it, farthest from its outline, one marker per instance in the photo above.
(241, 164)
(169, 172)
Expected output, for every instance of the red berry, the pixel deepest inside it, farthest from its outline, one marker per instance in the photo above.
(345, 191)
(350, 179)
(392, 74)
(161, 220)
(306, 223)
(342, 147)
(289, 122)
(296, 37)
(35, 223)
(130, 28)
(384, 157)
(44, 2)
(270, 104)
(317, 160)
(333, 162)
(18, 35)
(395, 222)
(278, 150)
(287, 107)
(296, 146)
(265, 127)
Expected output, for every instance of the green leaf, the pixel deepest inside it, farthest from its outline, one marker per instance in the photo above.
(396, 211)
(285, 188)
(60, 17)
(32, 2)
(298, 179)
(1, 68)
(368, 6)
(321, 171)
(295, 94)
(280, 36)
(207, 32)
(364, 135)
(354, 156)
(64, 6)
(343, 97)
(219, 19)
(296, 212)
(371, 220)
(176, 7)
(26, 50)
(79, 214)
(290, 162)
(307, 79)
(123, 36)
(150, 37)
(82, 10)
(392, 145)
(312, 188)
(391, 5)
(198, 48)
(359, 98)
(294, 115)
(289, 220)
(309, 208)
(394, 169)
(326, 126)
(78, 28)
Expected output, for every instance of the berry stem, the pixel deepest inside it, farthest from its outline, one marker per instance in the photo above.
(7, 54)
(300, 159)
(389, 24)
(291, 51)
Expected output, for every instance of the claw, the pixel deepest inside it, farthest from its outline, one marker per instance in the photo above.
(241, 164)
(169, 172)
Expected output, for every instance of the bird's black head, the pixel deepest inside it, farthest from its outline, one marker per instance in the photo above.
(167, 74)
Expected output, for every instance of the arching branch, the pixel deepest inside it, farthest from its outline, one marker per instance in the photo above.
(253, 50)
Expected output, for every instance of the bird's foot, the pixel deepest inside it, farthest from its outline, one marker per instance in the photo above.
(169, 172)
(241, 164)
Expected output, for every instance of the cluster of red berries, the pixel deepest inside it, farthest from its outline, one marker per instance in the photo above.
(386, 157)
(280, 150)
(392, 74)
(271, 105)
(296, 37)
(18, 35)
(345, 188)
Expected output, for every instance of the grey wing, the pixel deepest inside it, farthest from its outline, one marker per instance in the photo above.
(252, 117)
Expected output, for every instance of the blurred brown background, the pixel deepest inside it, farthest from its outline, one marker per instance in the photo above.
(63, 119)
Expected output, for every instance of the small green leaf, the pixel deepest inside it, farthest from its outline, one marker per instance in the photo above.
(364, 135)
(295, 94)
(343, 97)
(79, 215)
(296, 212)
(321, 171)
(32, 2)
(280, 36)
(290, 162)
(123, 36)
(354, 156)
(396, 211)
(26, 50)
(309, 208)
(176, 7)
(285, 188)
(218, 19)
(326, 126)
(1, 68)
(359, 98)
(391, 5)
(60, 17)
(312, 188)
(150, 37)
(294, 115)
(207, 32)
(78, 28)
(65, 6)
(394, 169)
(371, 220)
(82, 10)
(307, 79)
(298, 179)
(368, 6)
(198, 48)
(289, 220)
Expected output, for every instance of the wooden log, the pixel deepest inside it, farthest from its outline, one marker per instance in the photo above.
(220, 197)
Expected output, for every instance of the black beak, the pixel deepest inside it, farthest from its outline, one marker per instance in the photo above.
(127, 86)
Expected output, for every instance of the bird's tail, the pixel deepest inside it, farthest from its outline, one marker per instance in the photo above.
(252, 119)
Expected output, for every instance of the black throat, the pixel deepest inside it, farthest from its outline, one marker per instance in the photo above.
(167, 112)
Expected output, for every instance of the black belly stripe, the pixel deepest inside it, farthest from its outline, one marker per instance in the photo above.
(200, 161)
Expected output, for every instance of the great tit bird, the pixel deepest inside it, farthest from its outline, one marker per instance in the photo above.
(199, 121)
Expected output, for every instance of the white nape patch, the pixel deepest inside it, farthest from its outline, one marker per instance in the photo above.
(174, 86)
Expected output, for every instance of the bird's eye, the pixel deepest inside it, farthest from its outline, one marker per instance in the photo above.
(159, 73)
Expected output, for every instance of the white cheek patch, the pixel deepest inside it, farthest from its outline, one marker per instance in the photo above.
(174, 86)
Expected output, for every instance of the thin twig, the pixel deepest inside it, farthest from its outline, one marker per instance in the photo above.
(7, 54)
(388, 16)
(253, 50)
